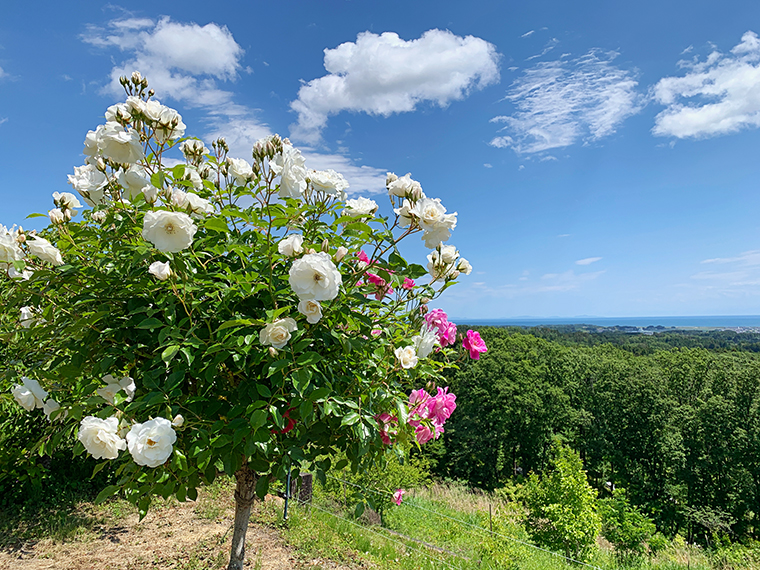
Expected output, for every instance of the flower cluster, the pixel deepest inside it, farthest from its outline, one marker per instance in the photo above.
(428, 413)
(419, 211)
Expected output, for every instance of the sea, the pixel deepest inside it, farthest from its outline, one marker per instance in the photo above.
(680, 322)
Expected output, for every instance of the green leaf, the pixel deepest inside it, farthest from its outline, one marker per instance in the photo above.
(350, 419)
(36, 215)
(143, 505)
(169, 353)
(235, 323)
(105, 493)
(217, 224)
(98, 468)
(308, 358)
(258, 418)
(150, 323)
(359, 510)
(262, 486)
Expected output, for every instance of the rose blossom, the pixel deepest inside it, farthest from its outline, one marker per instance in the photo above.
(315, 277)
(291, 245)
(408, 284)
(433, 219)
(160, 271)
(474, 344)
(312, 310)
(50, 407)
(289, 165)
(150, 443)
(360, 207)
(120, 145)
(192, 148)
(43, 249)
(179, 420)
(9, 249)
(133, 180)
(426, 341)
(406, 356)
(29, 394)
(240, 170)
(114, 386)
(441, 406)
(56, 216)
(464, 266)
(329, 182)
(277, 334)
(447, 332)
(66, 200)
(90, 183)
(169, 231)
(27, 318)
(386, 422)
(398, 496)
(405, 187)
(100, 437)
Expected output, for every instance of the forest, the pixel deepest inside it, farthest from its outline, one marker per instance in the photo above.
(673, 418)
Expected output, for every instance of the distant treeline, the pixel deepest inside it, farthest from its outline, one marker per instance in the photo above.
(677, 426)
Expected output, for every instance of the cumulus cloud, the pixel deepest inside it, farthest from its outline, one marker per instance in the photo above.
(183, 61)
(558, 103)
(587, 260)
(716, 96)
(383, 74)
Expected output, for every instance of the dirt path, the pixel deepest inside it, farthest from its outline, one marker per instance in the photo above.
(177, 536)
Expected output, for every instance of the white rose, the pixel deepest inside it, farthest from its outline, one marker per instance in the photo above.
(312, 310)
(329, 182)
(170, 125)
(464, 266)
(191, 174)
(56, 216)
(178, 420)
(277, 334)
(315, 277)
(198, 205)
(114, 386)
(150, 193)
(99, 216)
(89, 182)
(434, 220)
(150, 443)
(43, 249)
(438, 269)
(340, 253)
(120, 145)
(290, 166)
(100, 437)
(52, 406)
(66, 200)
(406, 356)
(425, 341)
(291, 245)
(160, 271)
(136, 105)
(192, 148)
(405, 215)
(9, 249)
(120, 111)
(133, 180)
(448, 254)
(25, 274)
(91, 144)
(240, 170)
(360, 207)
(28, 318)
(169, 231)
(152, 109)
(29, 394)
(405, 187)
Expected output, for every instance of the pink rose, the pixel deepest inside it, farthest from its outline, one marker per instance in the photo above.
(386, 422)
(474, 344)
(408, 284)
(447, 332)
(441, 406)
(398, 496)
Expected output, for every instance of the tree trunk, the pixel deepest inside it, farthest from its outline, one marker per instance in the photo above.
(244, 497)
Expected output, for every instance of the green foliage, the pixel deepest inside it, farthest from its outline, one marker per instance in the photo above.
(562, 512)
(374, 486)
(624, 525)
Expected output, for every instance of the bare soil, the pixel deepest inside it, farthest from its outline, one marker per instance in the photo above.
(173, 536)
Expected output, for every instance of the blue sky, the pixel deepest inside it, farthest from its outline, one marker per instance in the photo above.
(602, 157)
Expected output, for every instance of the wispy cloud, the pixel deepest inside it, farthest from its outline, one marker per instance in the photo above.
(716, 96)
(526, 34)
(488, 165)
(3, 73)
(549, 283)
(3, 120)
(588, 260)
(383, 75)
(561, 102)
(550, 45)
(747, 259)
(734, 276)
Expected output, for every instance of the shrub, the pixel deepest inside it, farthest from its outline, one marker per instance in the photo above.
(624, 525)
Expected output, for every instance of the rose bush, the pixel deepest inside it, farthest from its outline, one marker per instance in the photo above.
(232, 297)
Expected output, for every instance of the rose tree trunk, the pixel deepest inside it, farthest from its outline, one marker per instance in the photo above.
(244, 497)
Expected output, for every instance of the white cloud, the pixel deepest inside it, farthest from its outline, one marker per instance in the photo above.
(748, 258)
(550, 45)
(526, 34)
(561, 102)
(2, 73)
(716, 96)
(738, 276)
(588, 261)
(548, 283)
(488, 165)
(383, 74)
(3, 120)
(182, 61)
